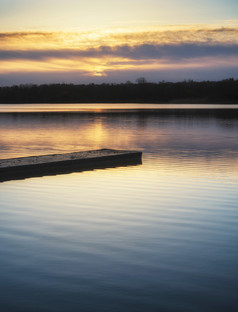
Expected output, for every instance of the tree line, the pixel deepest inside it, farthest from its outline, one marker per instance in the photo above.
(224, 91)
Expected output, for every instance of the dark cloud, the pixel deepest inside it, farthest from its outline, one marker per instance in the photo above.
(37, 55)
(148, 51)
(138, 52)
(223, 29)
(26, 35)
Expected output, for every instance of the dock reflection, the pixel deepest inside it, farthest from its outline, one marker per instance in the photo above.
(48, 170)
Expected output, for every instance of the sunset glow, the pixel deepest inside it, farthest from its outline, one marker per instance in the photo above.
(115, 52)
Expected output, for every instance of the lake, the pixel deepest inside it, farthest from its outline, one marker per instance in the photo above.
(157, 236)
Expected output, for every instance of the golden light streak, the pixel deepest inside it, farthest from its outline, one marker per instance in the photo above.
(101, 66)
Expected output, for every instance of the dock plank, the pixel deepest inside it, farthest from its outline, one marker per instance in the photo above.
(24, 167)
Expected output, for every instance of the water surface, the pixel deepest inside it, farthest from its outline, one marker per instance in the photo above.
(161, 236)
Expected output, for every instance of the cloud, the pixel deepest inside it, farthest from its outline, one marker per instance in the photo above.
(137, 52)
(122, 36)
(94, 54)
(178, 51)
(21, 35)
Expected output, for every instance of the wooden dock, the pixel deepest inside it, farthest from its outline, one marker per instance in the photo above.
(36, 166)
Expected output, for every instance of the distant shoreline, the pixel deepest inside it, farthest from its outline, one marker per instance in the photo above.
(185, 102)
(186, 92)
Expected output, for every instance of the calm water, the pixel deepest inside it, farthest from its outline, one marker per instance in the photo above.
(161, 236)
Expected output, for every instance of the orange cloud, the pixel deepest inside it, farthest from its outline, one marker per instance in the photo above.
(131, 36)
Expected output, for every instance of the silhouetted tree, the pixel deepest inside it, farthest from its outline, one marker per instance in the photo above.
(224, 91)
(141, 80)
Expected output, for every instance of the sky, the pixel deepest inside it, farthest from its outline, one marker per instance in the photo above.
(113, 41)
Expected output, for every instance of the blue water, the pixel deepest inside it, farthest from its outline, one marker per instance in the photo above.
(161, 236)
